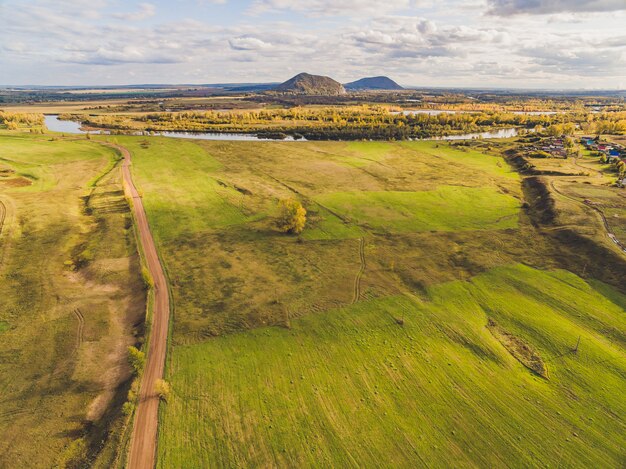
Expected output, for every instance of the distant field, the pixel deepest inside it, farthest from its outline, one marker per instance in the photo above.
(421, 233)
(70, 296)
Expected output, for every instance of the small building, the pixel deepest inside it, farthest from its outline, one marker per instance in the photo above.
(613, 152)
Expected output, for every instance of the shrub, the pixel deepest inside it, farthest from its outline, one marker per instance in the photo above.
(136, 358)
(128, 408)
(74, 455)
(163, 389)
(147, 278)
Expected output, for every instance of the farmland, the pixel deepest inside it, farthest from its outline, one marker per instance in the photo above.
(71, 300)
(366, 338)
(401, 325)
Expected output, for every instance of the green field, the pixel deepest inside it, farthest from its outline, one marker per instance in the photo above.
(395, 330)
(448, 208)
(70, 298)
(350, 387)
(289, 351)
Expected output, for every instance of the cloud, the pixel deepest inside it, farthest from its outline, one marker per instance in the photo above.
(599, 62)
(123, 55)
(401, 37)
(331, 7)
(248, 43)
(146, 10)
(513, 7)
(447, 43)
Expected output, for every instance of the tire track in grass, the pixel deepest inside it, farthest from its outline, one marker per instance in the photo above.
(359, 275)
(81, 327)
(5, 227)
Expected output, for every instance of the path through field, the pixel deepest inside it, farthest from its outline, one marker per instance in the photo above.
(81, 327)
(5, 226)
(144, 436)
(605, 222)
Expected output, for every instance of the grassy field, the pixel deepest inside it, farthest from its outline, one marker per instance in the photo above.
(70, 298)
(212, 206)
(395, 328)
(351, 387)
(382, 351)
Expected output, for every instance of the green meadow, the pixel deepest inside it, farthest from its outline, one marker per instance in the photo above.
(71, 297)
(366, 338)
(396, 330)
(350, 387)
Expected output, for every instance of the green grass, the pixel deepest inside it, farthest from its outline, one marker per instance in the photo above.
(360, 154)
(184, 197)
(464, 157)
(419, 231)
(448, 208)
(352, 388)
(57, 386)
(33, 156)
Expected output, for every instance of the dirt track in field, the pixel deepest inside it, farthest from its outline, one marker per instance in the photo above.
(605, 222)
(143, 442)
(357, 280)
(5, 227)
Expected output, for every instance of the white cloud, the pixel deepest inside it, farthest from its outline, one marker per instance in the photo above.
(331, 7)
(512, 7)
(417, 43)
(146, 10)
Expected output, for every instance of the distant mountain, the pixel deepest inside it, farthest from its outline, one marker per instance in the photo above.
(373, 83)
(311, 85)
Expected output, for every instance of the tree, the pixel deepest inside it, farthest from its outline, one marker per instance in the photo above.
(292, 216)
(136, 358)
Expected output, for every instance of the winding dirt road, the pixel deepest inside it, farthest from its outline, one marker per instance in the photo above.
(142, 454)
(599, 212)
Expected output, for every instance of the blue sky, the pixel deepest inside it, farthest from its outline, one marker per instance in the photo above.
(500, 43)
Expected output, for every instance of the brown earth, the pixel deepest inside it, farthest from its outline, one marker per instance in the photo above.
(144, 436)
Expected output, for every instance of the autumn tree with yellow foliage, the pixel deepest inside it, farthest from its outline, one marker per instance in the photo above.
(292, 216)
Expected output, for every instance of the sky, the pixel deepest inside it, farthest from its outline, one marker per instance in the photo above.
(550, 44)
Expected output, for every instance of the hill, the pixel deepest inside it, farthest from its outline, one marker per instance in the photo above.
(305, 83)
(373, 83)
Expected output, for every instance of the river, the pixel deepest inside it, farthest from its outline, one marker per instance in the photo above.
(54, 124)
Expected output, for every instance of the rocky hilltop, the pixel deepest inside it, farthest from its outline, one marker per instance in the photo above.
(373, 83)
(305, 83)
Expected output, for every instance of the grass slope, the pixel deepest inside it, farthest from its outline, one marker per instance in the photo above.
(448, 208)
(428, 232)
(64, 331)
(351, 388)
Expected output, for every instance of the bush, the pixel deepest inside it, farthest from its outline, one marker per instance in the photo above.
(292, 216)
(136, 358)
(163, 389)
(147, 278)
(128, 408)
(74, 455)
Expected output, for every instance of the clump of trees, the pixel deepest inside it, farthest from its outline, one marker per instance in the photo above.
(291, 217)
(375, 122)
(15, 120)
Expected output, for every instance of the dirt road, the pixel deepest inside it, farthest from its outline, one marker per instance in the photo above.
(142, 452)
(599, 212)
